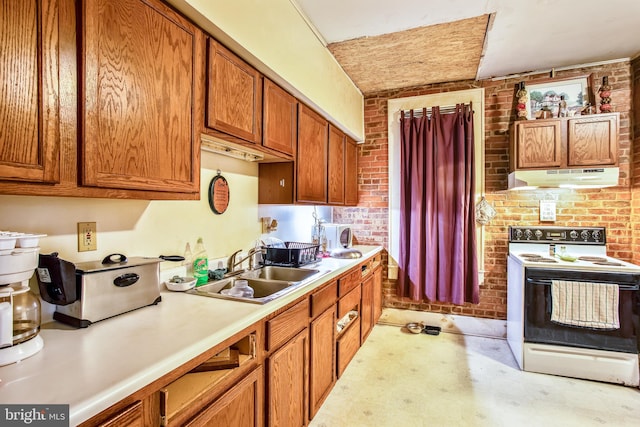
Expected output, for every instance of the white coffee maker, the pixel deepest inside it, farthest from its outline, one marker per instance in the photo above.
(19, 307)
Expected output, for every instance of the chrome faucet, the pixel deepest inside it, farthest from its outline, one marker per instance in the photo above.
(232, 263)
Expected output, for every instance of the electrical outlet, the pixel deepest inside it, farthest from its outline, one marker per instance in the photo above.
(87, 237)
(547, 210)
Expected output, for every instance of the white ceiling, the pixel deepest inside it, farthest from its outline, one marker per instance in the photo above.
(525, 35)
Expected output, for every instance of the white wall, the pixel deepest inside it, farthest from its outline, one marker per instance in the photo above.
(294, 222)
(145, 228)
(273, 37)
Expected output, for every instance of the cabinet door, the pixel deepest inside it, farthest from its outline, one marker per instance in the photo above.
(234, 95)
(29, 90)
(593, 141)
(275, 183)
(366, 308)
(311, 157)
(538, 144)
(287, 380)
(280, 114)
(336, 165)
(241, 406)
(141, 92)
(322, 374)
(347, 345)
(350, 173)
(377, 294)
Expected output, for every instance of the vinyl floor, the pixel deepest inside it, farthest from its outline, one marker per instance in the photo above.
(399, 379)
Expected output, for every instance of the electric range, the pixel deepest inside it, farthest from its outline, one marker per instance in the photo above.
(540, 258)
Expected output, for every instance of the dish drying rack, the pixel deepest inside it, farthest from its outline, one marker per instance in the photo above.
(290, 254)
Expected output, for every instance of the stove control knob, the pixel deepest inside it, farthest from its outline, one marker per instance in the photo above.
(528, 233)
(573, 234)
(584, 235)
(538, 234)
(596, 235)
(518, 234)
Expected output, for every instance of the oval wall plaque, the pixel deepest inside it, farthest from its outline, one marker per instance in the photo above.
(219, 194)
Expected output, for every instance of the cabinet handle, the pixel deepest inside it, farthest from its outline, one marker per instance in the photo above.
(282, 182)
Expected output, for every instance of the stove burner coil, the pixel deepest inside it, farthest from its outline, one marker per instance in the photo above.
(595, 259)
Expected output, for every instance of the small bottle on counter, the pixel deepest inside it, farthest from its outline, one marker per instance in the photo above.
(200, 264)
(188, 260)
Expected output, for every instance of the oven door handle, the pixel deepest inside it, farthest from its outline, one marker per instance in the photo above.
(547, 282)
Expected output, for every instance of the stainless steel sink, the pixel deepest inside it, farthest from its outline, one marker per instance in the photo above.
(268, 283)
(271, 272)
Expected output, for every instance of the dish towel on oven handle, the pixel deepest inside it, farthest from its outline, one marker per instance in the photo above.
(585, 304)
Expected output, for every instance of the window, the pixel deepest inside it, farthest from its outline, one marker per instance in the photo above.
(476, 96)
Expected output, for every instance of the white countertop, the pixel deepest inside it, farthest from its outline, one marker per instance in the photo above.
(92, 368)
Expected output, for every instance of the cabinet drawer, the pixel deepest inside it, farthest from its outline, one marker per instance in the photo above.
(132, 416)
(287, 324)
(323, 299)
(347, 346)
(348, 302)
(240, 406)
(368, 267)
(181, 400)
(350, 281)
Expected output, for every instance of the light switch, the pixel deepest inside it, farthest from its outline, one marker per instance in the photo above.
(547, 210)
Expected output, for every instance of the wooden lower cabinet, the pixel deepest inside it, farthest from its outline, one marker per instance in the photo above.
(241, 406)
(322, 361)
(288, 363)
(287, 379)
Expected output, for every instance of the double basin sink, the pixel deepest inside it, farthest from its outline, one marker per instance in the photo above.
(268, 283)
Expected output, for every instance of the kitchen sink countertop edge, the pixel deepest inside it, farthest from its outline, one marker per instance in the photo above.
(93, 368)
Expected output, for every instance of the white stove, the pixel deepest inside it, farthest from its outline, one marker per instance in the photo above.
(575, 258)
(539, 259)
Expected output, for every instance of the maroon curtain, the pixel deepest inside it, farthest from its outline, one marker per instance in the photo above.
(437, 258)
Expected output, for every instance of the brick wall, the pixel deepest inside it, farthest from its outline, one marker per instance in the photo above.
(611, 208)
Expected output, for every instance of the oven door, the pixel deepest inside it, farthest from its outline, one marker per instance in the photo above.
(538, 327)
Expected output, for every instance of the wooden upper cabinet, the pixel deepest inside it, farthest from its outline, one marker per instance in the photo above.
(29, 91)
(573, 142)
(279, 119)
(593, 140)
(538, 144)
(336, 166)
(275, 183)
(311, 164)
(350, 172)
(234, 95)
(142, 97)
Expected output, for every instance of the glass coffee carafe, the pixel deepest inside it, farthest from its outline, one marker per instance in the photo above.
(20, 307)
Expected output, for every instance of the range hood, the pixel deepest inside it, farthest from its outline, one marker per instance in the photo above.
(564, 178)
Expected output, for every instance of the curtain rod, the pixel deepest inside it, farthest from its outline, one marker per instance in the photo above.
(444, 109)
